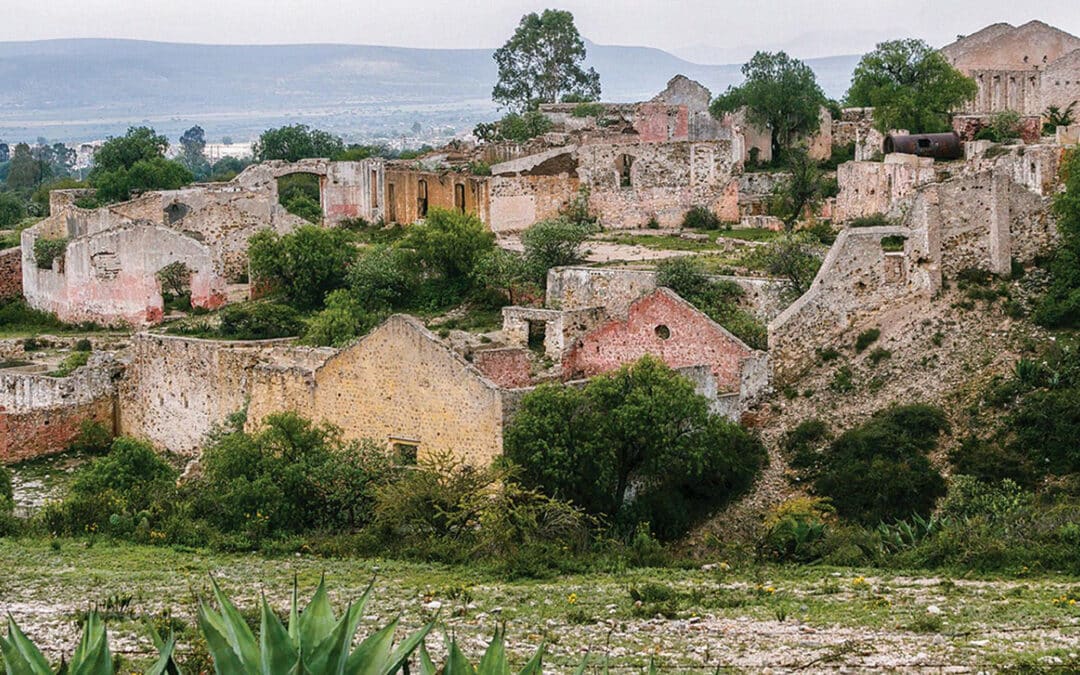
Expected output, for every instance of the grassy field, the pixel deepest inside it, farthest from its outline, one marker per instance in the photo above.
(744, 619)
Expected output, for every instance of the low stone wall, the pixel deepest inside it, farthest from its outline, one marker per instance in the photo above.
(11, 273)
(40, 415)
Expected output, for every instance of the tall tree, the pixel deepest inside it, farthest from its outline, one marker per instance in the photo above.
(192, 152)
(295, 142)
(910, 85)
(133, 163)
(781, 95)
(24, 172)
(542, 63)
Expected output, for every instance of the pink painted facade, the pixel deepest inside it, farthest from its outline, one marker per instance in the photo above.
(663, 325)
(659, 122)
(509, 368)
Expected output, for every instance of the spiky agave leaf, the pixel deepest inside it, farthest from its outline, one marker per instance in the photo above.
(276, 647)
(92, 656)
(21, 656)
(376, 655)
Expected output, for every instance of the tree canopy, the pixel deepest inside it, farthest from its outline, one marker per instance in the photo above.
(636, 445)
(780, 94)
(135, 162)
(192, 152)
(295, 142)
(910, 85)
(542, 63)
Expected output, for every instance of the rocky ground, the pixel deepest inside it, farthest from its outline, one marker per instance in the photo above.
(753, 619)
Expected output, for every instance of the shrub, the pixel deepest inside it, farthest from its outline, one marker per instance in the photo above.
(383, 278)
(641, 426)
(553, 243)
(303, 266)
(1045, 427)
(83, 345)
(47, 250)
(878, 354)
(117, 492)
(342, 320)
(793, 529)
(872, 220)
(990, 461)
(970, 497)
(70, 364)
(449, 244)
(259, 321)
(843, 380)
(6, 494)
(588, 109)
(879, 471)
(1060, 306)
(866, 338)
(289, 477)
(701, 218)
(93, 438)
(801, 443)
(305, 207)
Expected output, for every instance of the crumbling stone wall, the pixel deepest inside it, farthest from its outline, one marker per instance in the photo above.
(665, 180)
(507, 367)
(11, 273)
(572, 288)
(859, 276)
(666, 326)
(867, 188)
(518, 202)
(176, 389)
(40, 415)
(560, 327)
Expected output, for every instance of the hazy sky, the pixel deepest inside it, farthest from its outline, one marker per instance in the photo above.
(706, 30)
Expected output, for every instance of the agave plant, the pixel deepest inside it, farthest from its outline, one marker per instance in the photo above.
(315, 643)
(492, 663)
(91, 657)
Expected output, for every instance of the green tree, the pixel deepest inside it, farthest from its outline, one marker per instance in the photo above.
(781, 95)
(910, 85)
(24, 172)
(542, 63)
(641, 426)
(553, 243)
(801, 190)
(135, 162)
(450, 244)
(505, 272)
(192, 152)
(302, 266)
(12, 209)
(792, 257)
(384, 278)
(295, 142)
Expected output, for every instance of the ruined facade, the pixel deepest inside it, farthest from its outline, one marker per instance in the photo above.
(1024, 69)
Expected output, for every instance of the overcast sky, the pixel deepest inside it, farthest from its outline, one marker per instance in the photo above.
(704, 30)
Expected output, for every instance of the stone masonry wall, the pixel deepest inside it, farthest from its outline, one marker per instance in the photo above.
(867, 188)
(11, 273)
(176, 389)
(508, 367)
(399, 383)
(519, 201)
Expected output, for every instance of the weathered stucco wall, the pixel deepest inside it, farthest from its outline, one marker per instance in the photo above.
(666, 326)
(406, 189)
(109, 275)
(519, 201)
(867, 188)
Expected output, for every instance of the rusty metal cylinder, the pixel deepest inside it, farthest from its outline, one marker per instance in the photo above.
(938, 146)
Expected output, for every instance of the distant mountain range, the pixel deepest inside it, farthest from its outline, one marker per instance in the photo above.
(72, 90)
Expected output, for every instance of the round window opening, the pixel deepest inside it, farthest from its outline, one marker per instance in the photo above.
(663, 332)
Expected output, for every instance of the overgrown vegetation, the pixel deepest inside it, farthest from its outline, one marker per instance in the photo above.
(720, 300)
(1060, 307)
(642, 428)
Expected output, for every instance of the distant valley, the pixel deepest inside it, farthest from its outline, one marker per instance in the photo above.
(76, 90)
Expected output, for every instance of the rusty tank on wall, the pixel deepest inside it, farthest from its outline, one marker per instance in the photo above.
(938, 146)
